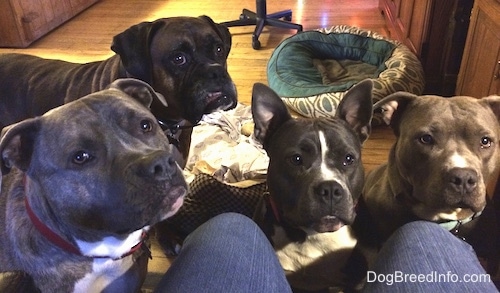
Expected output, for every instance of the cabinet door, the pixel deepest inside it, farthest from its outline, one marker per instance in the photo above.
(37, 17)
(413, 20)
(479, 70)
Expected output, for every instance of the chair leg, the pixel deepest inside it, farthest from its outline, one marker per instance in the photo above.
(285, 14)
(256, 33)
(260, 18)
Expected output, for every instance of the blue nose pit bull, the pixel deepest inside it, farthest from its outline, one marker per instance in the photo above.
(445, 153)
(315, 178)
(81, 187)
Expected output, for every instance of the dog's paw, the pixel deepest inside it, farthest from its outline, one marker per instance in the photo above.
(387, 111)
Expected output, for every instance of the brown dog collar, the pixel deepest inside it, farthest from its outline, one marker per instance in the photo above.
(173, 129)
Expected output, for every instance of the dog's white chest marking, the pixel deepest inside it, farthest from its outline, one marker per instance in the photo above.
(104, 272)
(294, 256)
(110, 246)
(111, 266)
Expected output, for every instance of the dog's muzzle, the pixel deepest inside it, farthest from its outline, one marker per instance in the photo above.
(328, 224)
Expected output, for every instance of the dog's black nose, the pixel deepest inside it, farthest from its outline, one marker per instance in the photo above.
(215, 71)
(158, 165)
(463, 180)
(329, 191)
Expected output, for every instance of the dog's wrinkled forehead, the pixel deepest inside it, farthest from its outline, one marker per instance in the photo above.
(305, 133)
(100, 123)
(448, 112)
(192, 34)
(97, 113)
(337, 131)
(109, 103)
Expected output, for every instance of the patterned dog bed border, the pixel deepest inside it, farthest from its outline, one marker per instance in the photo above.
(403, 73)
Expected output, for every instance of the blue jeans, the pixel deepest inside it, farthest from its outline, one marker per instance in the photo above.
(229, 253)
(443, 262)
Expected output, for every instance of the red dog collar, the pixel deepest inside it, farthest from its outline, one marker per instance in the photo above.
(64, 244)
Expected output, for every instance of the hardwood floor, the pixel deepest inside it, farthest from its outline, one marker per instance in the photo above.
(87, 37)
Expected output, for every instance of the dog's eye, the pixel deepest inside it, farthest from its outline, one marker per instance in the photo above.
(426, 139)
(485, 142)
(296, 160)
(219, 51)
(146, 125)
(179, 59)
(81, 157)
(349, 159)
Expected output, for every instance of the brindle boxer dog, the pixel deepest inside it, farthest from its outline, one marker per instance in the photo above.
(182, 58)
(81, 187)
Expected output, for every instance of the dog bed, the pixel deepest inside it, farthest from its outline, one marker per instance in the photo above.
(313, 70)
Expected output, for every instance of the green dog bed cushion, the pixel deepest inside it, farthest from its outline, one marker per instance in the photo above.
(313, 70)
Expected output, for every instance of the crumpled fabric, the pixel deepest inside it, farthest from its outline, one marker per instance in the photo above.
(219, 148)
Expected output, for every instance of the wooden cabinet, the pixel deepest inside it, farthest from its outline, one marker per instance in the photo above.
(24, 21)
(407, 21)
(480, 70)
(435, 31)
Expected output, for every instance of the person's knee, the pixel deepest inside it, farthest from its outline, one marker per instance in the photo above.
(232, 220)
(224, 225)
(420, 230)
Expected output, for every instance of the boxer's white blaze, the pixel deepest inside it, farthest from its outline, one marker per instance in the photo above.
(458, 161)
(327, 173)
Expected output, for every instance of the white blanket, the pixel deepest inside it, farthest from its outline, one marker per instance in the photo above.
(219, 148)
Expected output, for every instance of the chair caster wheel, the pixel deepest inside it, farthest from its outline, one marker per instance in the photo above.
(256, 44)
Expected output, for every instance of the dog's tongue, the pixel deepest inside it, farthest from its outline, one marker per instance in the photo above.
(328, 224)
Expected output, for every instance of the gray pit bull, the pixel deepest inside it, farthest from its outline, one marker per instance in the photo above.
(314, 179)
(445, 153)
(182, 58)
(81, 187)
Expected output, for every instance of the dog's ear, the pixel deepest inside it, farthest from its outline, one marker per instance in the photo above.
(393, 107)
(133, 46)
(222, 31)
(138, 90)
(494, 103)
(356, 108)
(268, 111)
(16, 144)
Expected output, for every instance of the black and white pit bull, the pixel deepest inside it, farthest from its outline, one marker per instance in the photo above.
(314, 179)
(446, 151)
(182, 58)
(81, 187)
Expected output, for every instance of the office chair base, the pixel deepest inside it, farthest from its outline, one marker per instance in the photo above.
(248, 17)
